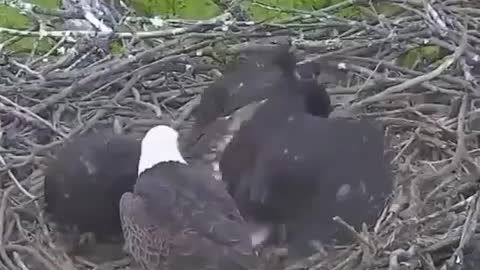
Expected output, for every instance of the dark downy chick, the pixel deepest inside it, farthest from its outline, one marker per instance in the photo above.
(291, 165)
(179, 217)
(243, 83)
(315, 169)
(84, 182)
(304, 96)
(232, 99)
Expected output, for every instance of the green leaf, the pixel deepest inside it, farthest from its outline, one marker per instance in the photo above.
(197, 9)
(430, 53)
(50, 4)
(12, 18)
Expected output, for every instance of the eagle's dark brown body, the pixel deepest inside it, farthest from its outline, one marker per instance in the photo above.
(180, 218)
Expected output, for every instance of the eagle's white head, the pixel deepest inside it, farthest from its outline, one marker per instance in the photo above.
(160, 144)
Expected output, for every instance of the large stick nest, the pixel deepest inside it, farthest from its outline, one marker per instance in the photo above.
(429, 110)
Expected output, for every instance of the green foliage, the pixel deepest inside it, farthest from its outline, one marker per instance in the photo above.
(260, 10)
(149, 8)
(50, 4)
(261, 13)
(26, 44)
(269, 10)
(352, 12)
(12, 18)
(384, 8)
(388, 9)
(186, 9)
(116, 47)
(197, 9)
(412, 57)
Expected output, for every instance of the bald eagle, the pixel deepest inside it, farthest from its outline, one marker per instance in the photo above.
(179, 217)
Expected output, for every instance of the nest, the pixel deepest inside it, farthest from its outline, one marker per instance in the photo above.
(428, 108)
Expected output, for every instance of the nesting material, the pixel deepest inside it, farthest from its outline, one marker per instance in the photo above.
(414, 68)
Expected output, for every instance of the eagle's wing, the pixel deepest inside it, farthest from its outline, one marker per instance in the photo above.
(174, 221)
